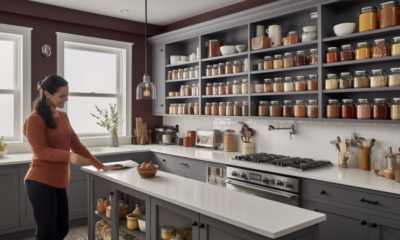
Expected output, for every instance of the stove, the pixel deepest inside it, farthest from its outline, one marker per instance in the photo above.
(295, 163)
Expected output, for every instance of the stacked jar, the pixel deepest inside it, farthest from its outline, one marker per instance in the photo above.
(275, 109)
(301, 58)
(368, 19)
(263, 109)
(288, 85)
(258, 87)
(288, 108)
(278, 61)
(394, 77)
(301, 83)
(288, 60)
(229, 109)
(395, 109)
(278, 85)
(300, 109)
(333, 109)
(346, 53)
(312, 109)
(380, 108)
(348, 109)
(364, 110)
(389, 14)
(361, 79)
(332, 55)
(312, 82)
(245, 109)
(268, 85)
(363, 51)
(237, 87)
(268, 63)
(332, 81)
(378, 78)
(345, 81)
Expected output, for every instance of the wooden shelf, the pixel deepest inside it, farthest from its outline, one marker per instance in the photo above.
(181, 80)
(284, 93)
(364, 61)
(235, 55)
(378, 33)
(183, 64)
(350, 90)
(292, 47)
(226, 75)
(298, 68)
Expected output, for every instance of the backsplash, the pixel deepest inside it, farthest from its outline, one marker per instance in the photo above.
(312, 139)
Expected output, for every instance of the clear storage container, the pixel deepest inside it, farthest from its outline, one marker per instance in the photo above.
(361, 79)
(394, 77)
(331, 81)
(368, 19)
(346, 80)
(378, 78)
(278, 85)
(312, 109)
(263, 109)
(288, 85)
(364, 110)
(363, 51)
(288, 108)
(275, 109)
(333, 109)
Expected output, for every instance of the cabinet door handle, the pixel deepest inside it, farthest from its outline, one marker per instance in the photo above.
(194, 224)
(363, 222)
(323, 192)
(162, 105)
(367, 201)
(163, 160)
(184, 164)
(374, 225)
(201, 225)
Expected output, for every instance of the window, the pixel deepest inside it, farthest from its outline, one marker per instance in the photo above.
(97, 71)
(15, 97)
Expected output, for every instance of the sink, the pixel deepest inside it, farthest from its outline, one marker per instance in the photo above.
(99, 150)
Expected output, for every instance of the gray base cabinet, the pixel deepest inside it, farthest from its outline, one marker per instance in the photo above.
(26, 216)
(77, 196)
(384, 228)
(9, 200)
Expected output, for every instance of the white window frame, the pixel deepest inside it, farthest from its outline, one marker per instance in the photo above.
(124, 76)
(21, 36)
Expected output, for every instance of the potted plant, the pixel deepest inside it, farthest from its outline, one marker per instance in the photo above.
(3, 151)
(109, 120)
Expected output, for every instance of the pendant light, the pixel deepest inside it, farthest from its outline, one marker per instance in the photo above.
(146, 89)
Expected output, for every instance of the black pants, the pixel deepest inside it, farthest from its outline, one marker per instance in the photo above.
(50, 208)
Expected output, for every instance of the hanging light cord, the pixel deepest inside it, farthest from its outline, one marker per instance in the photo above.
(145, 36)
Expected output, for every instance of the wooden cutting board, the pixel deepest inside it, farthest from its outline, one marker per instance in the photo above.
(146, 133)
(139, 128)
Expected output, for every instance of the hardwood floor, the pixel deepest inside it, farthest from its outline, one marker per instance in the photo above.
(75, 233)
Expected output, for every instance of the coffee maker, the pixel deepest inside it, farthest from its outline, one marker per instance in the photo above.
(166, 135)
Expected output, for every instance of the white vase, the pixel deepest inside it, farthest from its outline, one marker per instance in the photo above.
(114, 139)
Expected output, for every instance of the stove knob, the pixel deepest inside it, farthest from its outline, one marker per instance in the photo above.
(289, 185)
(266, 180)
(279, 183)
(243, 175)
(234, 173)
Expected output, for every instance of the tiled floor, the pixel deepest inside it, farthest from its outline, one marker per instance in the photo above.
(76, 232)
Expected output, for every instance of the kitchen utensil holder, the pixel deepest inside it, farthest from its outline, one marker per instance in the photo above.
(248, 148)
(364, 159)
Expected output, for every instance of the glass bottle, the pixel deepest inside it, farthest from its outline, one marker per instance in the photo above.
(229, 140)
(221, 68)
(288, 108)
(237, 67)
(361, 79)
(268, 63)
(332, 55)
(209, 70)
(378, 78)
(312, 82)
(288, 60)
(368, 19)
(380, 108)
(363, 51)
(301, 83)
(333, 109)
(180, 73)
(348, 109)
(301, 58)
(222, 109)
(389, 14)
(268, 85)
(222, 88)
(300, 109)
(313, 58)
(186, 73)
(395, 109)
(394, 77)
(237, 87)
(331, 81)
(288, 85)
(278, 85)
(209, 89)
(237, 109)
(395, 47)
(346, 53)
(207, 109)
(278, 61)
(245, 86)
(229, 109)
(312, 109)
(263, 109)
(346, 80)
(275, 109)
(364, 110)
(215, 70)
(215, 88)
(183, 90)
(380, 48)
(228, 68)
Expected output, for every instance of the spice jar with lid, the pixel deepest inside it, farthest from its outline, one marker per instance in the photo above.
(288, 85)
(263, 109)
(380, 48)
(332, 81)
(167, 232)
(312, 109)
(237, 109)
(228, 68)
(237, 67)
(253, 87)
(188, 90)
(183, 90)
(215, 88)
(301, 58)
(214, 108)
(209, 89)
(229, 109)
(171, 108)
(196, 109)
(180, 108)
(268, 85)
(215, 70)
(346, 53)
(389, 14)
(378, 78)
(222, 109)
(221, 68)
(229, 140)
(268, 63)
(229, 88)
(209, 70)
(364, 110)
(313, 58)
(288, 60)
(345, 81)
(278, 85)
(380, 108)
(301, 83)
(195, 89)
(361, 79)
(348, 109)
(363, 51)
(185, 108)
(222, 88)
(332, 55)
(169, 77)
(186, 73)
(180, 73)
(275, 109)
(278, 61)
(237, 87)
(395, 109)
(102, 204)
(395, 47)
(174, 74)
(394, 77)
(245, 109)
(368, 19)
(176, 108)
(333, 109)
(207, 109)
(300, 109)
(288, 108)
(191, 72)
(293, 37)
(259, 86)
(245, 86)
(196, 71)
(312, 82)
(191, 108)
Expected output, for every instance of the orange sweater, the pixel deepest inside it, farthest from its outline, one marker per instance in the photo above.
(51, 150)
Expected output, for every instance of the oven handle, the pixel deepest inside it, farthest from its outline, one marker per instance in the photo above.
(260, 190)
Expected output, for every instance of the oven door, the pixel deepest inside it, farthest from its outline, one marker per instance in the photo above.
(264, 192)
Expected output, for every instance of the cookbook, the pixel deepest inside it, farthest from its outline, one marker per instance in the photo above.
(123, 164)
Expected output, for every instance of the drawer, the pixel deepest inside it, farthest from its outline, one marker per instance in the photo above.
(182, 163)
(195, 176)
(172, 170)
(137, 157)
(354, 197)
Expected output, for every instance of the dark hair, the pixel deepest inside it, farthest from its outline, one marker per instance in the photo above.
(51, 84)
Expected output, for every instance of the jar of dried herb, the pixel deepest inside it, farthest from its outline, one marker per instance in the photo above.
(346, 80)
(263, 109)
(333, 109)
(378, 78)
(312, 82)
(312, 109)
(313, 58)
(301, 83)
(275, 109)
(288, 108)
(300, 109)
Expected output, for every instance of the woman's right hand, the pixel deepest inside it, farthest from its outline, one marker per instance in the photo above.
(77, 160)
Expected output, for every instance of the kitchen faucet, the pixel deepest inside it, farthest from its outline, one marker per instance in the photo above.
(270, 128)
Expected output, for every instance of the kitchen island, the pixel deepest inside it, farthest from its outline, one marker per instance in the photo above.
(212, 212)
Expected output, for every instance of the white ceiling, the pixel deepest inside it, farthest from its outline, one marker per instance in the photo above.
(160, 12)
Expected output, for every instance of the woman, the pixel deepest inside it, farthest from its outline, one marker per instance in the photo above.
(51, 138)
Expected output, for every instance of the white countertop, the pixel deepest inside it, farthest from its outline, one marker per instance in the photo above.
(262, 216)
(350, 177)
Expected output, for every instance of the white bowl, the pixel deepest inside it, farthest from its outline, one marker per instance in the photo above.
(307, 29)
(3, 153)
(241, 48)
(142, 223)
(344, 29)
(227, 50)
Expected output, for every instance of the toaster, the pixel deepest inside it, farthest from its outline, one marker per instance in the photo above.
(208, 138)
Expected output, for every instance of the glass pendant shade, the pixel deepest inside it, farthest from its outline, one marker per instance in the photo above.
(146, 89)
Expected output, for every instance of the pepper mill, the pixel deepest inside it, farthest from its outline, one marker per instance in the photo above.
(149, 135)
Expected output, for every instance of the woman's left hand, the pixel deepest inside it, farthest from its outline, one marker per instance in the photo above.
(111, 167)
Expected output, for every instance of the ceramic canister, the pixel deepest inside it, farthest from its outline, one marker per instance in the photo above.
(275, 34)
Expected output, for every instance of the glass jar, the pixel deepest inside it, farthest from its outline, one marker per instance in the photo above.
(229, 88)
(215, 88)
(228, 68)
(196, 72)
(253, 87)
(237, 109)
(301, 83)
(209, 89)
(183, 90)
(380, 48)
(361, 79)
(263, 109)
(259, 87)
(348, 109)
(312, 109)
(301, 58)
(288, 60)
(174, 74)
(180, 108)
(331, 81)
(288, 108)
(185, 108)
(196, 109)
(293, 37)
(176, 108)
(346, 80)
(180, 73)
(171, 108)
(215, 70)
(288, 85)
(332, 55)
(102, 204)
(394, 77)
(167, 232)
(312, 82)
(346, 53)
(300, 109)
(191, 108)
(214, 108)
(368, 19)
(221, 68)
(278, 61)
(395, 109)
(222, 109)
(389, 14)
(277, 85)
(313, 58)
(268, 63)
(188, 90)
(209, 70)
(364, 110)
(245, 109)
(195, 89)
(222, 88)
(268, 85)
(186, 73)
(207, 109)
(229, 109)
(380, 108)
(169, 77)
(191, 72)
(237, 87)
(333, 109)
(378, 78)
(275, 109)
(229, 140)
(363, 51)
(245, 86)
(395, 47)
(237, 67)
